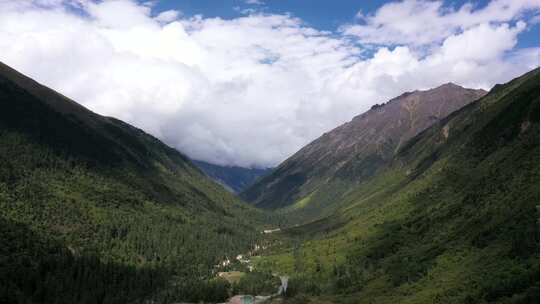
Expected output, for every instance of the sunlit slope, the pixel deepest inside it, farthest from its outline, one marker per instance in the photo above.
(452, 219)
(316, 177)
(94, 210)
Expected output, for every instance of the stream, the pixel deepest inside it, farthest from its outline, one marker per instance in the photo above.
(284, 283)
(248, 299)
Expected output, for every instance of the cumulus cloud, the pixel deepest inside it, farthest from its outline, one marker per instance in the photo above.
(254, 2)
(168, 16)
(248, 91)
(421, 22)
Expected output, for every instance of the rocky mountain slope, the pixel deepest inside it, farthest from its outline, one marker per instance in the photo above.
(356, 150)
(93, 210)
(233, 178)
(452, 218)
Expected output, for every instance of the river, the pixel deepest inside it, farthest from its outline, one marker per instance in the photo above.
(284, 284)
(248, 299)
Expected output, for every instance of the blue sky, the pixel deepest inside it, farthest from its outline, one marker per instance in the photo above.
(250, 88)
(320, 14)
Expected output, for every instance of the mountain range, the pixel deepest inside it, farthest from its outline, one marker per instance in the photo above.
(450, 217)
(325, 169)
(431, 197)
(94, 210)
(233, 178)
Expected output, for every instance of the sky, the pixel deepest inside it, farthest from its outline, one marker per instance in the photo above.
(249, 82)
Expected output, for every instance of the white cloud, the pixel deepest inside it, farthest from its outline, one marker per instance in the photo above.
(248, 91)
(422, 22)
(168, 16)
(254, 2)
(471, 44)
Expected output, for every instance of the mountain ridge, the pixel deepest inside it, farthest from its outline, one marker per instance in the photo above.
(91, 201)
(233, 178)
(358, 147)
(452, 218)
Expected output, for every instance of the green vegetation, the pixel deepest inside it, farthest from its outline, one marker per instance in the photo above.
(232, 276)
(256, 283)
(452, 219)
(93, 210)
(327, 168)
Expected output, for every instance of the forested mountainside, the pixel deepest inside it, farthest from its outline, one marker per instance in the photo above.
(93, 210)
(321, 172)
(452, 218)
(233, 178)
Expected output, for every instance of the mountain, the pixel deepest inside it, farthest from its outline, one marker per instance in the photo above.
(453, 217)
(233, 178)
(93, 210)
(352, 152)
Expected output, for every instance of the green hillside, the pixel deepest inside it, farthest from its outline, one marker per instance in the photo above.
(451, 219)
(312, 182)
(93, 210)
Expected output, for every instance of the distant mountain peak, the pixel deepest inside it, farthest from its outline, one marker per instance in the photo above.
(450, 85)
(233, 178)
(357, 149)
(454, 86)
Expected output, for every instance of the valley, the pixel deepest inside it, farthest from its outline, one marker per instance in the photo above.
(94, 210)
(449, 219)
(429, 198)
(233, 178)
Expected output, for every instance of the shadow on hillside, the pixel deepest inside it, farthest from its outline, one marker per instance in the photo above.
(35, 269)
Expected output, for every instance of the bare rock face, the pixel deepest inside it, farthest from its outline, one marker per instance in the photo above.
(355, 150)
